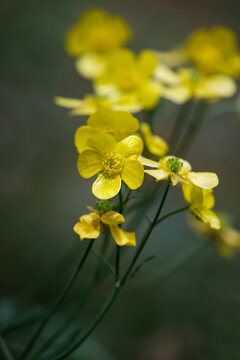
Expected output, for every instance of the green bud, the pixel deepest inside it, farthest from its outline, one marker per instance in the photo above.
(104, 205)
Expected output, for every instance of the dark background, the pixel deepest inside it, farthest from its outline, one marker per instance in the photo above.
(194, 314)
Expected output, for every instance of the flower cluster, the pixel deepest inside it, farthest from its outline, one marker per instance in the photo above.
(113, 145)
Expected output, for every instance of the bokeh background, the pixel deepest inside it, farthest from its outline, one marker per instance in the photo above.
(192, 315)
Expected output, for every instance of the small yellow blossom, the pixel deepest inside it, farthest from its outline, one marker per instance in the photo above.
(92, 103)
(215, 51)
(97, 32)
(113, 161)
(179, 171)
(89, 227)
(120, 124)
(154, 143)
(201, 202)
(93, 38)
(128, 74)
(188, 83)
(226, 240)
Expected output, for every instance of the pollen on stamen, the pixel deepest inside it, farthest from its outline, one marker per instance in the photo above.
(112, 164)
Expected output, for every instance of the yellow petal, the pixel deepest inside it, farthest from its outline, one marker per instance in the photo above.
(88, 227)
(208, 217)
(147, 62)
(102, 142)
(148, 162)
(177, 94)
(217, 86)
(101, 120)
(155, 144)
(205, 180)
(122, 237)
(69, 103)
(112, 218)
(82, 135)
(90, 66)
(89, 163)
(158, 174)
(149, 93)
(165, 75)
(105, 188)
(133, 173)
(124, 122)
(132, 145)
(231, 237)
(192, 194)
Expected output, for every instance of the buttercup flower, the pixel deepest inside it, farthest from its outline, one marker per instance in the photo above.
(92, 103)
(189, 83)
(93, 38)
(112, 161)
(120, 124)
(201, 202)
(154, 143)
(89, 226)
(214, 51)
(179, 171)
(128, 74)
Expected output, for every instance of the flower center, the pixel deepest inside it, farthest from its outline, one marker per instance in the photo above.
(174, 164)
(112, 164)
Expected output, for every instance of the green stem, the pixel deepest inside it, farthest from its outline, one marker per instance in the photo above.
(57, 304)
(5, 349)
(179, 124)
(172, 213)
(195, 124)
(118, 285)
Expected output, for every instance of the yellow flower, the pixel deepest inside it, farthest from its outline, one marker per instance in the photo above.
(201, 202)
(97, 32)
(92, 103)
(113, 161)
(128, 74)
(214, 51)
(93, 38)
(188, 83)
(226, 240)
(179, 171)
(120, 124)
(154, 143)
(89, 227)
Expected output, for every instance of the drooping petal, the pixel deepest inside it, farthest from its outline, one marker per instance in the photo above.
(89, 226)
(155, 144)
(192, 194)
(205, 180)
(132, 173)
(106, 188)
(148, 162)
(122, 237)
(89, 163)
(158, 174)
(208, 217)
(69, 103)
(131, 145)
(81, 137)
(102, 142)
(112, 218)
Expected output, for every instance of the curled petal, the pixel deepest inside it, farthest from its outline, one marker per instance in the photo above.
(112, 218)
(148, 162)
(208, 217)
(88, 227)
(105, 188)
(82, 135)
(122, 237)
(205, 180)
(89, 163)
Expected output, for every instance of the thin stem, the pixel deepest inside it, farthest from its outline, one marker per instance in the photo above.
(172, 213)
(147, 234)
(5, 349)
(57, 303)
(195, 124)
(179, 124)
(118, 285)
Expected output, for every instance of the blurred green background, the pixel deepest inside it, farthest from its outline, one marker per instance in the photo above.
(194, 315)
